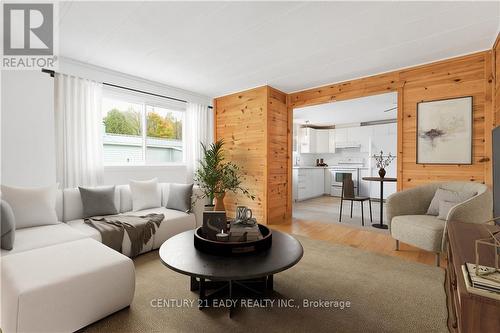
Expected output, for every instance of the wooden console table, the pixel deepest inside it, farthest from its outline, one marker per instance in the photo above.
(468, 312)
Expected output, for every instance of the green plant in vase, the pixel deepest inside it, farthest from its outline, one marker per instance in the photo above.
(216, 176)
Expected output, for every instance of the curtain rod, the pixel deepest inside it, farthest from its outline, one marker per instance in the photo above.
(52, 73)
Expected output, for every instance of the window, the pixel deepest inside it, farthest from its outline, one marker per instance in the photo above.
(141, 132)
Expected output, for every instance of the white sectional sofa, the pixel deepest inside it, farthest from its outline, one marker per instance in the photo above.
(60, 278)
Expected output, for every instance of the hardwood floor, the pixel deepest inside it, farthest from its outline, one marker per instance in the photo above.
(326, 209)
(363, 238)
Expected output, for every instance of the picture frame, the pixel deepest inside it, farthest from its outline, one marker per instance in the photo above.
(442, 125)
(213, 223)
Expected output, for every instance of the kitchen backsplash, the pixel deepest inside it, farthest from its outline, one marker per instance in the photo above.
(333, 159)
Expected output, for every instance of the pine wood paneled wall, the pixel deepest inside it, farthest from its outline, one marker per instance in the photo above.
(240, 121)
(496, 71)
(463, 76)
(277, 156)
(254, 126)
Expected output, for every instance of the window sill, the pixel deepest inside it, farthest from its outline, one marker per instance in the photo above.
(143, 167)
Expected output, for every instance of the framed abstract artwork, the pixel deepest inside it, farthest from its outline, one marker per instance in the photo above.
(444, 131)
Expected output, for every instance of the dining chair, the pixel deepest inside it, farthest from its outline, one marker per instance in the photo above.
(349, 195)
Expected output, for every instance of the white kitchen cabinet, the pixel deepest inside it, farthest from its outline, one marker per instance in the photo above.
(310, 183)
(307, 139)
(317, 141)
(322, 141)
(331, 141)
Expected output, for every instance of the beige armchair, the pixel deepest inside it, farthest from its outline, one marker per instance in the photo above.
(408, 222)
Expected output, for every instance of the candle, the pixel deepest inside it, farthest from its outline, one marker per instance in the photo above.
(222, 236)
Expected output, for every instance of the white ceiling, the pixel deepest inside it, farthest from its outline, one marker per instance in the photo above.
(215, 48)
(357, 110)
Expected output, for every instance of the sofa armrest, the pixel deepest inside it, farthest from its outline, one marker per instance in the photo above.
(198, 205)
(413, 201)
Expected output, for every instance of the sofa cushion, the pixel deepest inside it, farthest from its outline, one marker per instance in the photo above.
(179, 197)
(7, 226)
(81, 226)
(93, 233)
(32, 206)
(175, 222)
(447, 195)
(125, 198)
(64, 287)
(145, 194)
(423, 231)
(73, 205)
(38, 237)
(98, 201)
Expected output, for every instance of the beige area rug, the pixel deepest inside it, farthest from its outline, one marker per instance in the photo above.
(386, 294)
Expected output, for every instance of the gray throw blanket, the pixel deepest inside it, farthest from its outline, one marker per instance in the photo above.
(139, 229)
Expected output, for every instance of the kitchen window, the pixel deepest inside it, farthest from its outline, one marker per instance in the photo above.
(138, 131)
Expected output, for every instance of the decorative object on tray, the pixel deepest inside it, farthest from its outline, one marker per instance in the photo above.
(260, 240)
(242, 231)
(216, 176)
(442, 126)
(383, 161)
(214, 222)
(244, 216)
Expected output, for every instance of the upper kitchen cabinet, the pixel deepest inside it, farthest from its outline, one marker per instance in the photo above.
(331, 141)
(347, 137)
(323, 142)
(316, 141)
(307, 140)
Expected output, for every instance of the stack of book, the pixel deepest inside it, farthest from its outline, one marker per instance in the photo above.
(244, 233)
(479, 284)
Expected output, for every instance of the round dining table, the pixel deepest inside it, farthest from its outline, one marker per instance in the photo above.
(381, 225)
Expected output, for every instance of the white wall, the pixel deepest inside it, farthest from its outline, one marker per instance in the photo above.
(27, 126)
(116, 175)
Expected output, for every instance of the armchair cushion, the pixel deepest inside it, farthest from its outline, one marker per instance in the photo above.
(447, 195)
(423, 231)
(444, 209)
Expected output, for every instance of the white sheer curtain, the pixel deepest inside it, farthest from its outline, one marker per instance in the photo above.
(78, 123)
(199, 127)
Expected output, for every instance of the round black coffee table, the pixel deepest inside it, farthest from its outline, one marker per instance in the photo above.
(252, 272)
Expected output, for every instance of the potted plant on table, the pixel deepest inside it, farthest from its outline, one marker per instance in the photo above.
(216, 176)
(383, 161)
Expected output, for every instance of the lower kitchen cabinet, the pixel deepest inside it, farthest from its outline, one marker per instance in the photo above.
(308, 183)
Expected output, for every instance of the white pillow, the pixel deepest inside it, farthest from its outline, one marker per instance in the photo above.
(32, 206)
(447, 195)
(145, 194)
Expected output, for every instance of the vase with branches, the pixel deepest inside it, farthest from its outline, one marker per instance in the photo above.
(215, 176)
(383, 161)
